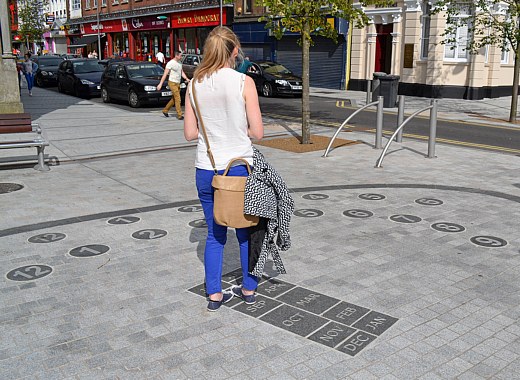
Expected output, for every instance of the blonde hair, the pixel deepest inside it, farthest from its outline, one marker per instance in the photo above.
(218, 49)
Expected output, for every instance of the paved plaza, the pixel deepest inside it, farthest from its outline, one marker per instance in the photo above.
(409, 271)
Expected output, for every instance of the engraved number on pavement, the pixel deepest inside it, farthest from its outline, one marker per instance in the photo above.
(308, 213)
(448, 227)
(357, 213)
(488, 241)
(29, 272)
(315, 197)
(198, 223)
(190, 208)
(429, 201)
(89, 250)
(149, 234)
(46, 238)
(402, 218)
(372, 197)
(124, 220)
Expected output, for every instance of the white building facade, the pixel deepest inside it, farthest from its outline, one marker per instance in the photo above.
(406, 40)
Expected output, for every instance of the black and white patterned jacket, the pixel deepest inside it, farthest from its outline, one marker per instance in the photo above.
(267, 196)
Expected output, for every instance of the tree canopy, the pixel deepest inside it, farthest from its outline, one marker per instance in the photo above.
(31, 19)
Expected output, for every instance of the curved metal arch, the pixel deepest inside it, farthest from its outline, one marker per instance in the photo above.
(344, 124)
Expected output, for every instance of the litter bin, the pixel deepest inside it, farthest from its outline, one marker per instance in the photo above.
(389, 84)
(376, 85)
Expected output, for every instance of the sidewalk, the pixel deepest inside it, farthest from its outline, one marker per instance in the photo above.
(485, 111)
(405, 272)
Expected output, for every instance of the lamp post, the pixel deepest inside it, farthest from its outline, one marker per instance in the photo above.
(220, 7)
(98, 35)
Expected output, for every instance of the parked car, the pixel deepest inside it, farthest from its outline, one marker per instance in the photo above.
(106, 61)
(70, 56)
(47, 73)
(80, 76)
(190, 63)
(272, 79)
(135, 82)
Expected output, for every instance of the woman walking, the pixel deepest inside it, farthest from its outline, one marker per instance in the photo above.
(229, 108)
(29, 69)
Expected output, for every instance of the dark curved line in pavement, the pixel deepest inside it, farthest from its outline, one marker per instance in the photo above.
(131, 211)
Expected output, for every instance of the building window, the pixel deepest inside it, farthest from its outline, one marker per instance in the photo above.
(115, 2)
(457, 48)
(87, 4)
(103, 3)
(425, 32)
(94, 4)
(248, 6)
(504, 58)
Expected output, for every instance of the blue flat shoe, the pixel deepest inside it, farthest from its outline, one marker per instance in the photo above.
(215, 305)
(237, 291)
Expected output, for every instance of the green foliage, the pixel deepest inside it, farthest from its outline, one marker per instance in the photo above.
(31, 19)
(490, 22)
(293, 15)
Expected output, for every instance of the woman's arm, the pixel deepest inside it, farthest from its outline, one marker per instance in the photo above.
(191, 128)
(254, 116)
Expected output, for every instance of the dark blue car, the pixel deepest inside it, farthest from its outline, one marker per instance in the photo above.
(81, 77)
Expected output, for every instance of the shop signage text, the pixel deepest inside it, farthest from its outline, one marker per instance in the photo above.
(205, 17)
(188, 19)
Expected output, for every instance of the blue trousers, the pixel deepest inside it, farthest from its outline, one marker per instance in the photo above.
(30, 81)
(217, 235)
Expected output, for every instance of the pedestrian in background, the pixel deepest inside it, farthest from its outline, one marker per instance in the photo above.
(230, 111)
(243, 64)
(29, 68)
(160, 58)
(19, 72)
(175, 74)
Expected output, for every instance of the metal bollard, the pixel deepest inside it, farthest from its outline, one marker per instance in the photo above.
(379, 123)
(369, 91)
(400, 118)
(433, 129)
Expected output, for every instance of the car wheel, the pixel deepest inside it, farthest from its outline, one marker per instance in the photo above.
(267, 90)
(104, 95)
(39, 81)
(60, 87)
(77, 92)
(133, 99)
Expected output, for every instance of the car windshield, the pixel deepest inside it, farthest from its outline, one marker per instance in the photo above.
(83, 67)
(274, 68)
(50, 62)
(144, 70)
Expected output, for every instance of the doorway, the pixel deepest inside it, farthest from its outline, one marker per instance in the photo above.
(384, 48)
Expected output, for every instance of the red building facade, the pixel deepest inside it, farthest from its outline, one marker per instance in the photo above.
(139, 31)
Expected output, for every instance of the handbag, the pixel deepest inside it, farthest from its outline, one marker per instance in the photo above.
(228, 201)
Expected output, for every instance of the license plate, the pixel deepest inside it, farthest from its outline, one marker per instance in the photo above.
(98, 87)
(166, 93)
(296, 87)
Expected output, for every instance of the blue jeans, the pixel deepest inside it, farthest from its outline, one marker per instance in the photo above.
(217, 235)
(30, 81)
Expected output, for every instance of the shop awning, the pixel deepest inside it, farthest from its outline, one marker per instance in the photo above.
(84, 41)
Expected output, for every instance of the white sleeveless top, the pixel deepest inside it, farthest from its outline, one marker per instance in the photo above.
(223, 111)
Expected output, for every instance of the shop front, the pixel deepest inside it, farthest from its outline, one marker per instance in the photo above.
(141, 38)
(327, 58)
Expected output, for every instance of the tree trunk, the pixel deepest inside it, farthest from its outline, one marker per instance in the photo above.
(306, 107)
(514, 95)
